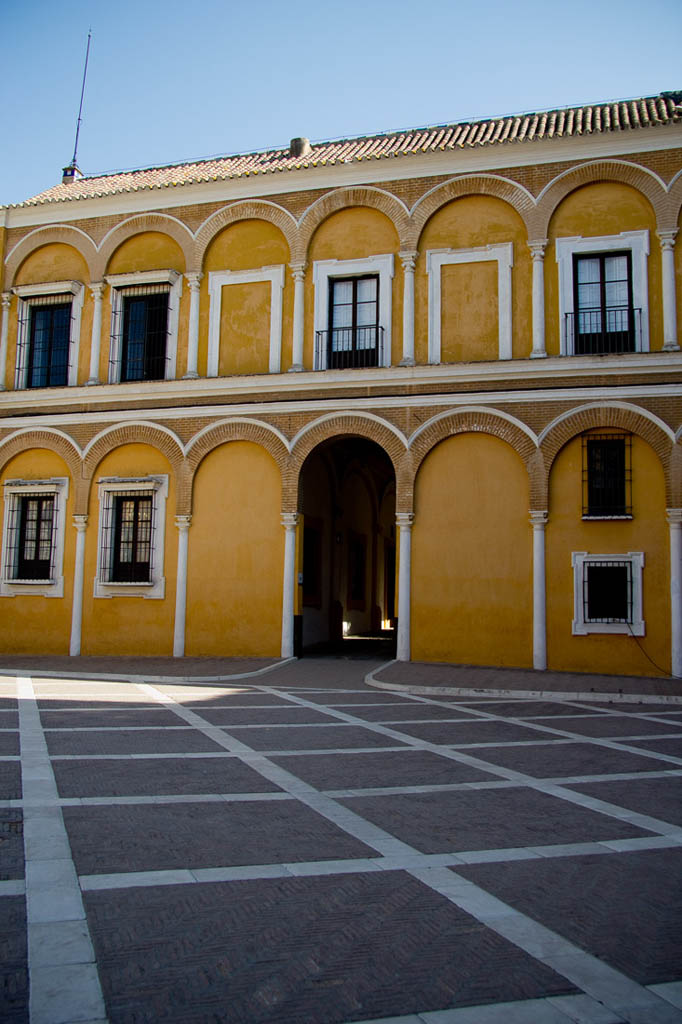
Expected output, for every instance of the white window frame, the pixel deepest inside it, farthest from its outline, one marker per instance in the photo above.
(145, 277)
(30, 295)
(156, 587)
(634, 242)
(217, 280)
(382, 266)
(581, 627)
(501, 253)
(13, 491)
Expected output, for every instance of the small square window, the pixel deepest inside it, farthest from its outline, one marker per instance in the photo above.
(607, 476)
(608, 593)
(33, 537)
(131, 537)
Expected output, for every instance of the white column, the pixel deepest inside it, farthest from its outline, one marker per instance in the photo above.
(537, 251)
(289, 521)
(667, 239)
(298, 274)
(538, 522)
(80, 522)
(675, 524)
(404, 522)
(408, 260)
(183, 524)
(194, 281)
(4, 331)
(97, 290)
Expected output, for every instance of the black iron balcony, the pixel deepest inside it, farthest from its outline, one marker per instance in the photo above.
(604, 331)
(345, 348)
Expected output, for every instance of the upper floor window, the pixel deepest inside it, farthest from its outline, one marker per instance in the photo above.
(48, 319)
(144, 325)
(607, 476)
(33, 537)
(353, 303)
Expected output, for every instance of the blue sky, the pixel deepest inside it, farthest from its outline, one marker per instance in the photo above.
(171, 81)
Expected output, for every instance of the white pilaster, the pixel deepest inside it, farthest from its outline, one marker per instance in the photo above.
(289, 521)
(404, 522)
(298, 274)
(667, 240)
(538, 522)
(4, 331)
(675, 524)
(194, 281)
(97, 291)
(537, 251)
(183, 524)
(408, 260)
(80, 522)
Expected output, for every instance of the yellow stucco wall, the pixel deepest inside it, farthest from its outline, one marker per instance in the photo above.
(124, 624)
(606, 208)
(471, 555)
(245, 308)
(31, 624)
(353, 234)
(150, 250)
(236, 553)
(647, 531)
(468, 223)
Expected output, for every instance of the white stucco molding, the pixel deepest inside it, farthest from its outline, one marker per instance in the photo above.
(217, 280)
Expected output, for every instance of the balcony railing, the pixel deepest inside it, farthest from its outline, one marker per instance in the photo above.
(601, 332)
(345, 348)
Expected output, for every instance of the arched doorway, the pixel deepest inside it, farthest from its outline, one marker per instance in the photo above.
(347, 552)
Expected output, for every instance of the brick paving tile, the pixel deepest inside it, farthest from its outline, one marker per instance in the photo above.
(557, 759)
(487, 819)
(8, 703)
(262, 716)
(622, 707)
(391, 768)
(476, 731)
(611, 726)
(70, 704)
(9, 743)
(111, 717)
(243, 698)
(10, 780)
(312, 738)
(192, 835)
(672, 747)
(409, 712)
(13, 950)
(318, 951)
(9, 719)
(359, 697)
(528, 708)
(628, 915)
(661, 798)
(147, 741)
(11, 844)
(156, 776)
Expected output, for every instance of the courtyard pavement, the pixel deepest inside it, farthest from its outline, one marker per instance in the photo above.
(300, 846)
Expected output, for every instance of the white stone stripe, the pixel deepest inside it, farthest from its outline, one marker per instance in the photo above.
(12, 887)
(580, 1009)
(63, 978)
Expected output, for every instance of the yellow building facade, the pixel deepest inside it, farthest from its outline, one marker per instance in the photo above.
(423, 386)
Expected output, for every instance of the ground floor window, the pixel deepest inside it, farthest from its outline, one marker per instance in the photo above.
(130, 546)
(608, 593)
(33, 536)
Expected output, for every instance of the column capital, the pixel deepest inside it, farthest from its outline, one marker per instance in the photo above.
(289, 520)
(183, 523)
(673, 515)
(404, 520)
(538, 519)
(667, 238)
(97, 289)
(408, 258)
(537, 248)
(6, 299)
(80, 522)
(193, 278)
(298, 270)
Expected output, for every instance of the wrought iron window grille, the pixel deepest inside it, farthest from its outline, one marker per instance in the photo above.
(45, 328)
(141, 316)
(607, 476)
(30, 549)
(607, 592)
(127, 537)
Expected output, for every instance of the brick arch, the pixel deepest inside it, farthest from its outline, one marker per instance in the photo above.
(676, 201)
(53, 441)
(479, 184)
(58, 233)
(342, 199)
(596, 172)
(248, 210)
(159, 222)
(134, 433)
(478, 421)
(257, 432)
(344, 425)
(620, 416)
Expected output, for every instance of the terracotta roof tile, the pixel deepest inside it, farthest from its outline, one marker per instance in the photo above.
(592, 119)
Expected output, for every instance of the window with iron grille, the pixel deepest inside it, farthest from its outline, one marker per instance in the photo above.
(131, 536)
(48, 334)
(33, 537)
(144, 325)
(608, 593)
(607, 476)
(354, 333)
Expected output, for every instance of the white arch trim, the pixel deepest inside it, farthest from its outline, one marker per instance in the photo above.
(51, 227)
(626, 406)
(467, 177)
(599, 163)
(368, 416)
(137, 216)
(43, 430)
(133, 423)
(351, 188)
(236, 419)
(244, 202)
(487, 410)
